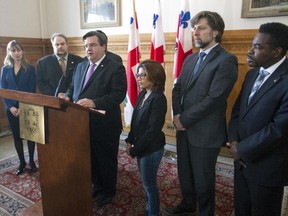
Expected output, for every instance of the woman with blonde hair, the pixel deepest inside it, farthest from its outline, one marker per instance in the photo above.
(18, 74)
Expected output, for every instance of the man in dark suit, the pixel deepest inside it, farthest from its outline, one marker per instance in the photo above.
(104, 90)
(258, 129)
(199, 108)
(55, 72)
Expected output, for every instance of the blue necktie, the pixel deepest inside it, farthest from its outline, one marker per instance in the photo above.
(196, 68)
(199, 62)
(194, 72)
(258, 82)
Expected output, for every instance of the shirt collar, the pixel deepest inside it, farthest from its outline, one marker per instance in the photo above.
(273, 67)
(66, 57)
(208, 50)
(99, 61)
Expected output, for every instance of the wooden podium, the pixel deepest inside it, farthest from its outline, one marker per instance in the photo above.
(65, 160)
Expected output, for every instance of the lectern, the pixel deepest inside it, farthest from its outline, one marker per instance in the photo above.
(65, 160)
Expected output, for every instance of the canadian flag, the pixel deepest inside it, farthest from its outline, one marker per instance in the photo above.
(132, 64)
(183, 46)
(157, 40)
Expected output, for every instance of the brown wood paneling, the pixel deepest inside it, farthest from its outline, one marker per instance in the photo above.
(235, 41)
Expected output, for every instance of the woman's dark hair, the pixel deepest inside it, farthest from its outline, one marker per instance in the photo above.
(155, 74)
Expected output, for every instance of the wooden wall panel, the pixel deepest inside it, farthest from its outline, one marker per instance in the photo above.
(235, 41)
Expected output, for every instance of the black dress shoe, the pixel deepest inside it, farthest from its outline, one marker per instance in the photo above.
(20, 169)
(103, 200)
(180, 210)
(33, 167)
(96, 192)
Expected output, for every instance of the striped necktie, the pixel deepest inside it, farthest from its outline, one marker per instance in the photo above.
(258, 82)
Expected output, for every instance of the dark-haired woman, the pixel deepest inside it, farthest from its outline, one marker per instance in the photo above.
(146, 140)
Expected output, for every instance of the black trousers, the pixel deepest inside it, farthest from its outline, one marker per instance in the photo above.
(18, 142)
(196, 171)
(255, 200)
(104, 158)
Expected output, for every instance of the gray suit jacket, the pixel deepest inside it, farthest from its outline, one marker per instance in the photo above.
(202, 105)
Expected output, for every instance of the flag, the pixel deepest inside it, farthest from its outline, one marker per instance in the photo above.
(132, 63)
(183, 46)
(157, 40)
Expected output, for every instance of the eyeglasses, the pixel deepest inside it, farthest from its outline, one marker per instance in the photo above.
(92, 45)
(141, 75)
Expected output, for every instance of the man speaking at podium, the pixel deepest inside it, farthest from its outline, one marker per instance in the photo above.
(100, 83)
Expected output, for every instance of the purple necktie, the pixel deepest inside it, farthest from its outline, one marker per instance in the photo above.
(89, 73)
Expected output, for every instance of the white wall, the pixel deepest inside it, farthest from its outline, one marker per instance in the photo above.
(20, 18)
(40, 18)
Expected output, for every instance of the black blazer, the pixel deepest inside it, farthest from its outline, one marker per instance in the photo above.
(146, 126)
(107, 88)
(262, 128)
(49, 74)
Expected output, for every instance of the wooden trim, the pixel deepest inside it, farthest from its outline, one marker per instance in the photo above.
(235, 41)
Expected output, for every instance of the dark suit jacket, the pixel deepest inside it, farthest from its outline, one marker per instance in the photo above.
(146, 126)
(204, 104)
(26, 83)
(262, 128)
(107, 88)
(49, 74)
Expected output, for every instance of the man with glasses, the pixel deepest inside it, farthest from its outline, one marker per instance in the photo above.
(109, 54)
(100, 83)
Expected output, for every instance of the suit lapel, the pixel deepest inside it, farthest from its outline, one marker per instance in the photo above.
(145, 105)
(96, 73)
(189, 74)
(83, 74)
(267, 85)
(210, 56)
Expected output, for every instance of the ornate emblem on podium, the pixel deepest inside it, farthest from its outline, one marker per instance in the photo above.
(32, 122)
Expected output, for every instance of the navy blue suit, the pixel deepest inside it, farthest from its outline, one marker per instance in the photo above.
(49, 74)
(26, 83)
(261, 128)
(107, 88)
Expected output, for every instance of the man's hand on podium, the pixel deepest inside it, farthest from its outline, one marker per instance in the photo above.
(63, 96)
